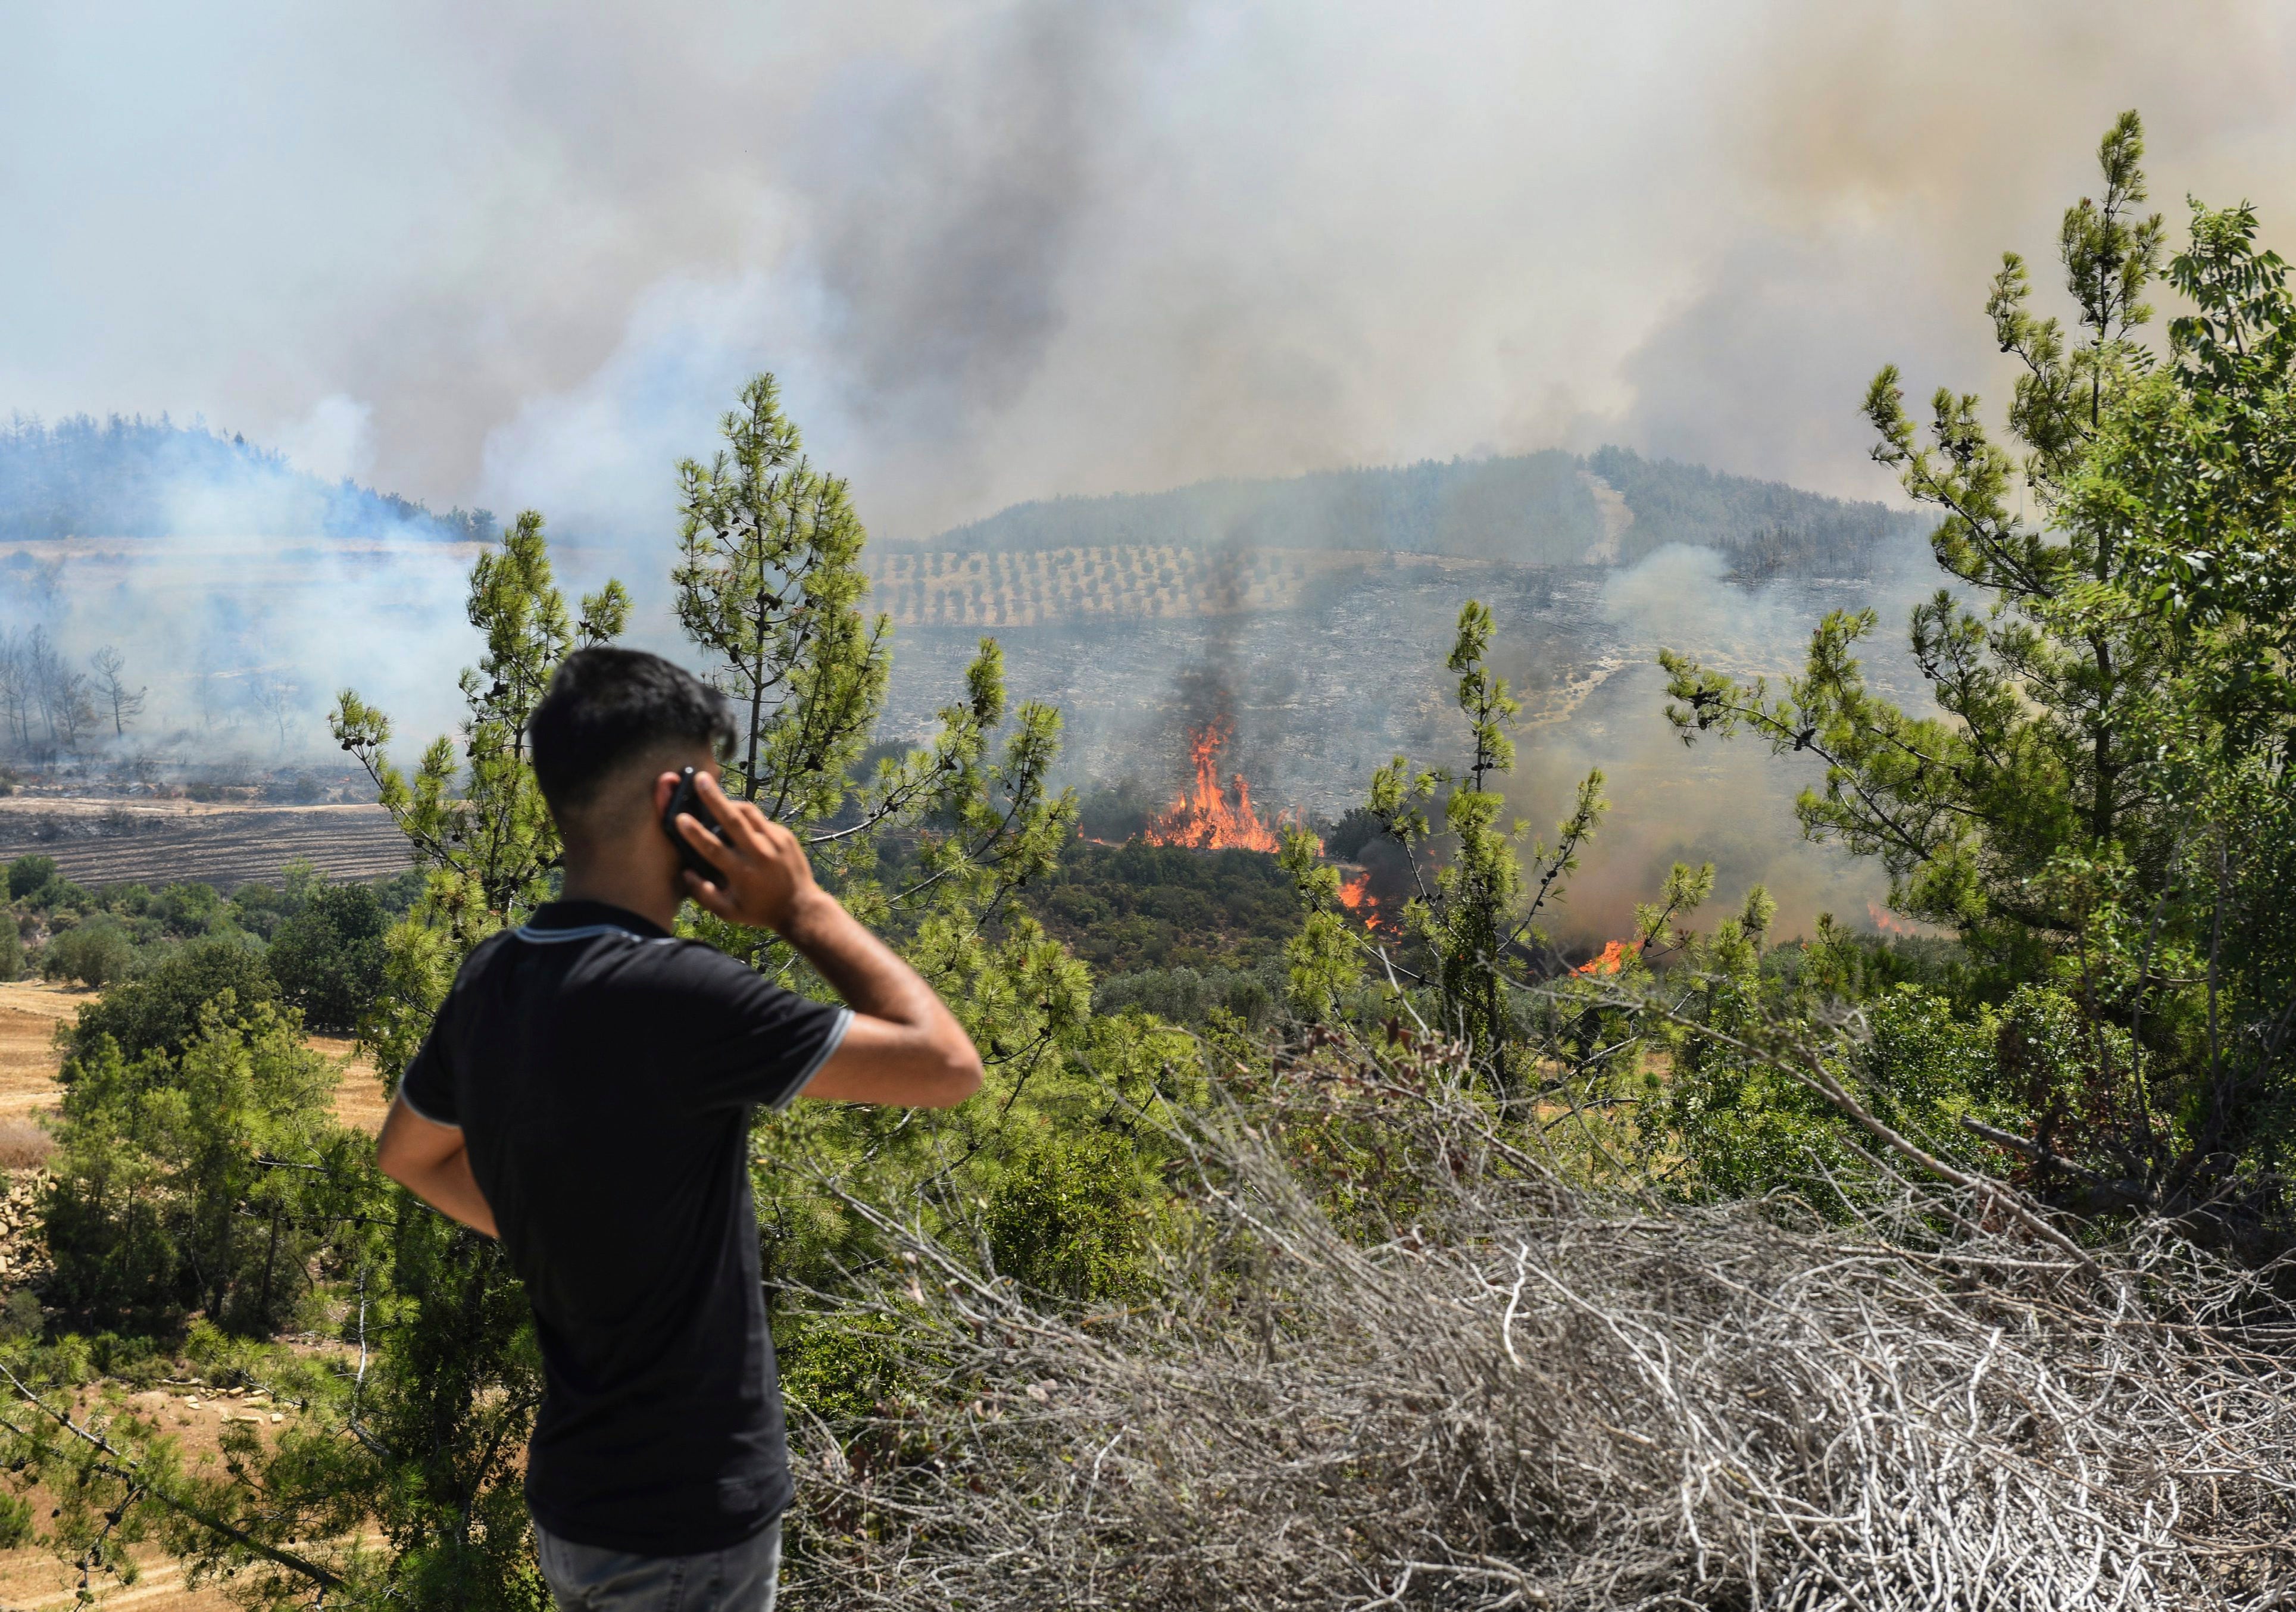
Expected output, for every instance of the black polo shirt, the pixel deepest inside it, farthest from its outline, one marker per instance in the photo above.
(603, 1074)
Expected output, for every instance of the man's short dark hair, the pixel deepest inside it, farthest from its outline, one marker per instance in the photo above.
(605, 708)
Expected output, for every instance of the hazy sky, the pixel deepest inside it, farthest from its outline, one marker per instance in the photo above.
(522, 254)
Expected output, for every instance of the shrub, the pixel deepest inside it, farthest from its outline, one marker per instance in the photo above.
(128, 900)
(328, 958)
(162, 1202)
(20, 1317)
(27, 874)
(12, 947)
(61, 895)
(97, 953)
(187, 911)
(160, 1011)
(1741, 1126)
(1069, 1218)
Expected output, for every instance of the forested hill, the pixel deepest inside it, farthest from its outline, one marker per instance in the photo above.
(138, 477)
(1550, 508)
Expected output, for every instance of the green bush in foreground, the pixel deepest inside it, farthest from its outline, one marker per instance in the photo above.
(198, 1180)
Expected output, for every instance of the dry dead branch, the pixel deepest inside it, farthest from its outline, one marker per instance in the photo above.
(1534, 1396)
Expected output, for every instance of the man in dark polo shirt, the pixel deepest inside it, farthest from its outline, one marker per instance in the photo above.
(585, 1096)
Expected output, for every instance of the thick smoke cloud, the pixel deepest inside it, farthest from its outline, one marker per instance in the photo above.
(1002, 250)
(519, 256)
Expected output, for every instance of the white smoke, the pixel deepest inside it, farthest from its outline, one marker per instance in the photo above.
(1010, 248)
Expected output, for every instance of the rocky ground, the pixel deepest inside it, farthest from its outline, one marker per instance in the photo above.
(23, 1251)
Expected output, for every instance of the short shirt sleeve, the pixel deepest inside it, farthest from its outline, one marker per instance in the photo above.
(428, 1086)
(746, 1041)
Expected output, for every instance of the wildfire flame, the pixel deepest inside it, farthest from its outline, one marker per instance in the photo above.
(1209, 815)
(1613, 959)
(1889, 923)
(1356, 896)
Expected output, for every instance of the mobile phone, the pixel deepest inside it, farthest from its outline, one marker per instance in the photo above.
(685, 798)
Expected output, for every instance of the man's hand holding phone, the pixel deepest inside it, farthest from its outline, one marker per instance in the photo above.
(760, 877)
(902, 1045)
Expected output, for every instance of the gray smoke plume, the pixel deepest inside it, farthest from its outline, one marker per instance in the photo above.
(1013, 249)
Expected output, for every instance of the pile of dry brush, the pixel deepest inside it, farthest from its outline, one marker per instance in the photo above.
(1534, 1395)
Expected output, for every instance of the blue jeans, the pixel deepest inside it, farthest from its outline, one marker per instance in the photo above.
(584, 1578)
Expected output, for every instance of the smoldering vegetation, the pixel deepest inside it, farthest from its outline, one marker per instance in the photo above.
(206, 599)
(1399, 1362)
(179, 600)
(1321, 693)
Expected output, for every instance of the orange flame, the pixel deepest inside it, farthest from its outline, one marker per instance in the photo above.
(1356, 896)
(1613, 959)
(1889, 923)
(1203, 815)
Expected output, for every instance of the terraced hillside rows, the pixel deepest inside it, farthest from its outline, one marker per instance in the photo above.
(100, 842)
(1128, 582)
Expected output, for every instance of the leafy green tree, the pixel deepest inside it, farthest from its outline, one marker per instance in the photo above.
(28, 874)
(97, 953)
(2043, 680)
(162, 1011)
(328, 959)
(195, 1180)
(768, 585)
(2103, 810)
(189, 910)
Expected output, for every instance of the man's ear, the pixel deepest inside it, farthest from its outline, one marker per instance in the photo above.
(664, 787)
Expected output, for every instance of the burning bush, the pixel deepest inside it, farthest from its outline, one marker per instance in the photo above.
(1211, 815)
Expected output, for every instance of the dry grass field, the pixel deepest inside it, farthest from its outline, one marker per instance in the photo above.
(99, 841)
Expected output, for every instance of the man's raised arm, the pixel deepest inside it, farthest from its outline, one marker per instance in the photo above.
(904, 1046)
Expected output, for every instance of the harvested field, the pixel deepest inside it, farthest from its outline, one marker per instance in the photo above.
(118, 841)
(30, 1014)
(32, 1580)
